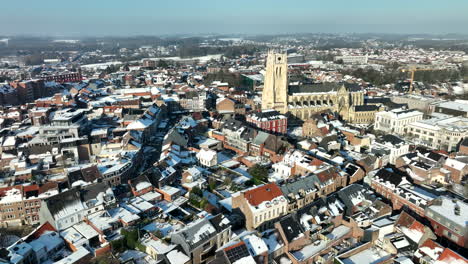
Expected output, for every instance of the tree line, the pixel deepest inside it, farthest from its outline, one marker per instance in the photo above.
(390, 76)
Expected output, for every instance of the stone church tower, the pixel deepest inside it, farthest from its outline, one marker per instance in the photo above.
(275, 91)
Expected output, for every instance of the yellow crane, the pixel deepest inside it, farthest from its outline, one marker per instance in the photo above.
(412, 71)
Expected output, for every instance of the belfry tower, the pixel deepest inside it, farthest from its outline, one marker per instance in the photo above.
(275, 89)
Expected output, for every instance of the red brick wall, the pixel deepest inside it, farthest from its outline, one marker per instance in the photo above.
(439, 229)
(103, 250)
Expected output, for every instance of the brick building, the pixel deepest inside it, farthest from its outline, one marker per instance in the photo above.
(269, 120)
(228, 105)
(63, 77)
(21, 204)
(448, 218)
(261, 205)
(397, 189)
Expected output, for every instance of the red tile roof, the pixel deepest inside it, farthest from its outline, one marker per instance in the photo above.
(417, 226)
(263, 193)
(405, 220)
(316, 162)
(449, 256)
(430, 244)
(48, 186)
(327, 175)
(4, 190)
(40, 231)
(29, 188)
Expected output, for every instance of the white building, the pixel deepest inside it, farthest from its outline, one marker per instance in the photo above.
(395, 121)
(394, 146)
(352, 59)
(207, 157)
(294, 162)
(439, 133)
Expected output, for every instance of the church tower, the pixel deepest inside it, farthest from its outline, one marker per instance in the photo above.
(275, 89)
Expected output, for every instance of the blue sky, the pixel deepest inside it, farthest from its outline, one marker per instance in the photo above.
(154, 17)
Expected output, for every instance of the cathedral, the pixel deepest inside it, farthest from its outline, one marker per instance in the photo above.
(304, 100)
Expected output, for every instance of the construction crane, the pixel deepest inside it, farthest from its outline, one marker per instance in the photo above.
(412, 71)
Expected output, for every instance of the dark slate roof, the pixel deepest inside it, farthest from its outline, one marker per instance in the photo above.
(60, 201)
(353, 87)
(422, 165)
(316, 205)
(322, 87)
(247, 134)
(140, 178)
(303, 183)
(351, 168)
(176, 137)
(326, 140)
(74, 176)
(276, 143)
(270, 115)
(411, 155)
(369, 160)
(392, 176)
(434, 156)
(217, 222)
(232, 124)
(365, 108)
(89, 192)
(377, 100)
(191, 94)
(90, 173)
(392, 139)
(350, 191)
(385, 101)
(188, 234)
(291, 227)
(422, 150)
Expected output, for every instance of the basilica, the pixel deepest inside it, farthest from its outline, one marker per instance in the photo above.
(304, 100)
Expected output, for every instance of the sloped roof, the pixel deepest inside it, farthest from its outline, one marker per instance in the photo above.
(291, 227)
(262, 193)
(303, 183)
(260, 138)
(391, 176)
(322, 87)
(275, 143)
(90, 192)
(449, 256)
(139, 179)
(62, 200)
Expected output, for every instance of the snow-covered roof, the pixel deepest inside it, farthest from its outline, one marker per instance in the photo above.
(177, 257)
(255, 244)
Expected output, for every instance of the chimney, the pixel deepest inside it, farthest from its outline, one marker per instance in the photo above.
(457, 209)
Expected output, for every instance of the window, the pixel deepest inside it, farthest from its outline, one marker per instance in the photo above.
(206, 246)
